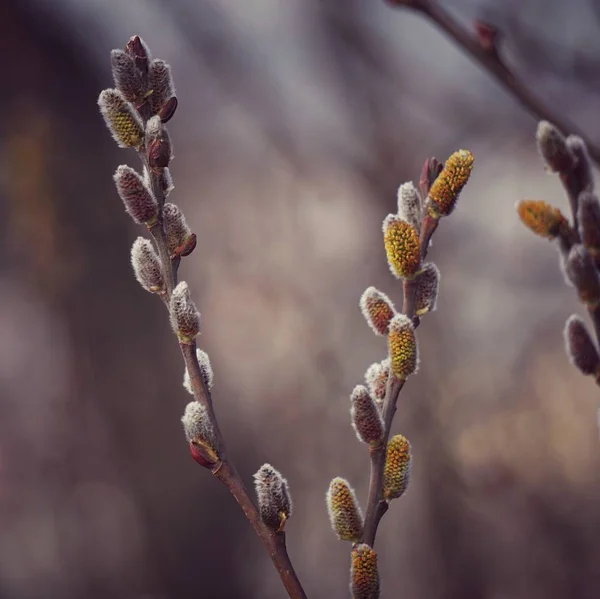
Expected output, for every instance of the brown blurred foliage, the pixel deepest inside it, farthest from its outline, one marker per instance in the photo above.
(295, 126)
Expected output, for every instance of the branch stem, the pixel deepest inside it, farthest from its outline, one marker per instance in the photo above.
(491, 61)
(377, 506)
(226, 472)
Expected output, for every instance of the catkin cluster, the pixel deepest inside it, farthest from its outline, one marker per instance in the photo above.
(406, 238)
(136, 111)
(578, 240)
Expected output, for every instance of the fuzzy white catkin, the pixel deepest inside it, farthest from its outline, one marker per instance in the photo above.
(185, 318)
(205, 369)
(409, 204)
(146, 265)
(197, 425)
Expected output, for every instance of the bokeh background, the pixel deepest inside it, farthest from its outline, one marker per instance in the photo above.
(297, 122)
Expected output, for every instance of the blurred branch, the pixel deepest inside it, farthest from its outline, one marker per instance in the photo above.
(484, 49)
(579, 245)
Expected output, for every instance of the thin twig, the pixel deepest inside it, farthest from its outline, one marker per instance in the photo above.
(572, 184)
(377, 506)
(226, 472)
(594, 312)
(157, 231)
(489, 58)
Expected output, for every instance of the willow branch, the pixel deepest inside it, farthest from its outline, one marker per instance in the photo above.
(483, 49)
(157, 230)
(377, 506)
(226, 472)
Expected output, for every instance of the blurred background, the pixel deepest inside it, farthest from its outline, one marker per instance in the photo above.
(297, 121)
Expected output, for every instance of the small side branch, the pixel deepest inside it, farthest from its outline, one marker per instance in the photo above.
(483, 48)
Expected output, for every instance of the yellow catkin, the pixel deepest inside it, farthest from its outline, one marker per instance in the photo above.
(402, 246)
(344, 511)
(449, 183)
(121, 119)
(402, 346)
(396, 474)
(378, 310)
(540, 217)
(364, 575)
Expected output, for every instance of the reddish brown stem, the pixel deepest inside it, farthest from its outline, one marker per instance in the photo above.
(377, 506)
(428, 228)
(594, 312)
(274, 542)
(226, 472)
(491, 61)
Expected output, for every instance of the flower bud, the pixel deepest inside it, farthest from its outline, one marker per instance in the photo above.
(185, 318)
(180, 239)
(274, 501)
(378, 310)
(366, 418)
(428, 284)
(364, 575)
(582, 171)
(344, 511)
(122, 120)
(160, 83)
(581, 271)
(146, 266)
(580, 347)
(137, 197)
(429, 173)
(445, 190)
(398, 464)
(128, 78)
(200, 434)
(376, 377)
(205, 369)
(552, 146)
(166, 181)
(402, 246)
(139, 52)
(409, 205)
(541, 218)
(402, 345)
(158, 144)
(589, 222)
(167, 112)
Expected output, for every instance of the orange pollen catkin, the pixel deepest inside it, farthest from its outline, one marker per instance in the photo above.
(402, 246)
(344, 511)
(402, 346)
(446, 188)
(364, 575)
(378, 310)
(398, 462)
(540, 217)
